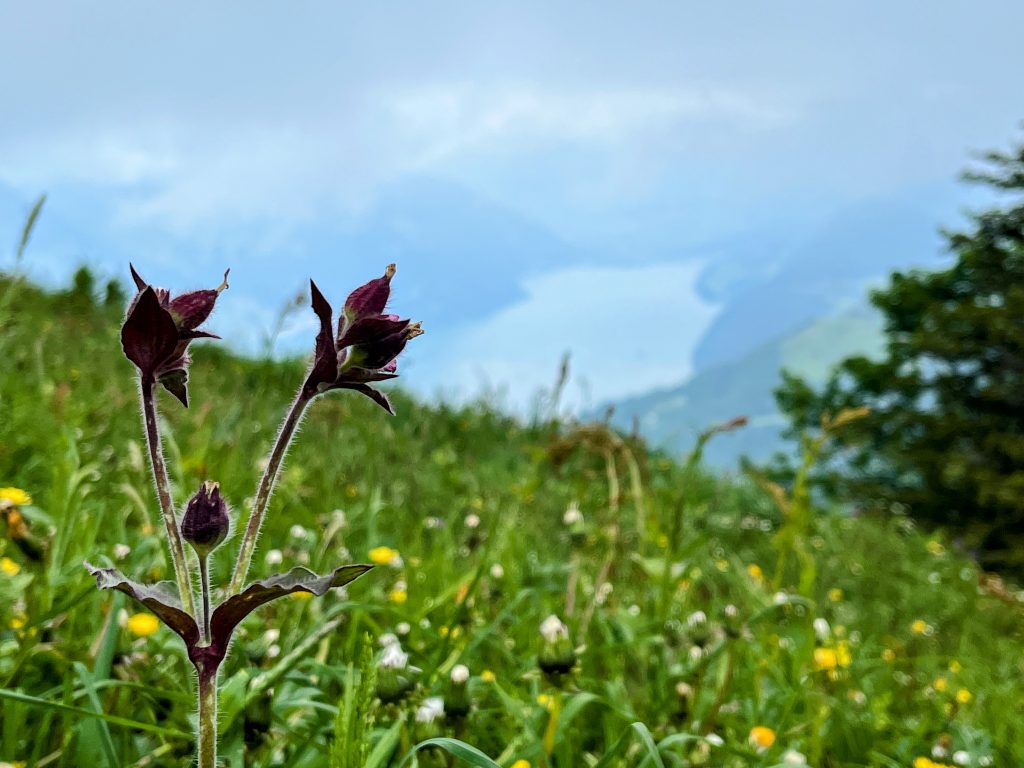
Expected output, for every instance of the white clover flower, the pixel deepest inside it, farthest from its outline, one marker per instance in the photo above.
(121, 551)
(962, 757)
(572, 515)
(731, 611)
(297, 532)
(394, 657)
(696, 653)
(792, 757)
(275, 557)
(403, 628)
(460, 674)
(780, 598)
(430, 710)
(683, 690)
(939, 752)
(697, 619)
(633, 610)
(497, 572)
(822, 630)
(714, 740)
(553, 630)
(387, 639)
(472, 521)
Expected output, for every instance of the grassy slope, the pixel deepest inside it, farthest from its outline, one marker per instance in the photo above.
(69, 434)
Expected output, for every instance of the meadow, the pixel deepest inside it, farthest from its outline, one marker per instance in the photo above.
(712, 620)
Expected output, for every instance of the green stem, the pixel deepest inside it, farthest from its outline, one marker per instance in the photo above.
(266, 487)
(163, 491)
(207, 749)
(204, 579)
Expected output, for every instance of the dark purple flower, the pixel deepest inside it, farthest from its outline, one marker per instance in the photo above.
(205, 523)
(366, 346)
(158, 329)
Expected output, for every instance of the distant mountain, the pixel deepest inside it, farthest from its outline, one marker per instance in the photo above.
(673, 418)
(834, 265)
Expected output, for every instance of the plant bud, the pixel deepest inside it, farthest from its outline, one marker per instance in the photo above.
(557, 656)
(457, 702)
(205, 523)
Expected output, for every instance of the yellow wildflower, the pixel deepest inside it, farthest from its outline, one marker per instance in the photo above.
(398, 596)
(143, 624)
(521, 764)
(385, 556)
(443, 631)
(545, 701)
(825, 659)
(487, 676)
(923, 762)
(8, 567)
(940, 684)
(15, 496)
(919, 626)
(935, 548)
(755, 572)
(955, 666)
(963, 696)
(761, 737)
(835, 594)
(18, 622)
(889, 655)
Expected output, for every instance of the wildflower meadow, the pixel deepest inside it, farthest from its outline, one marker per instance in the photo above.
(531, 593)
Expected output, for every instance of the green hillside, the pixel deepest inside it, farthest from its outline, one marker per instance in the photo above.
(693, 619)
(672, 418)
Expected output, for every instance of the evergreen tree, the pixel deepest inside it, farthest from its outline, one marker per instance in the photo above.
(945, 436)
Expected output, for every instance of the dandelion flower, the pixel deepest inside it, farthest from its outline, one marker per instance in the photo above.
(825, 659)
(940, 684)
(761, 737)
(487, 676)
(8, 567)
(755, 572)
(919, 626)
(142, 624)
(521, 764)
(963, 696)
(398, 596)
(385, 556)
(15, 497)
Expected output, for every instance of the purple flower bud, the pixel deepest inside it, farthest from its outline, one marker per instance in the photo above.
(205, 523)
(366, 346)
(158, 329)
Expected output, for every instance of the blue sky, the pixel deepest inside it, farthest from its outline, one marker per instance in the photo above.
(549, 176)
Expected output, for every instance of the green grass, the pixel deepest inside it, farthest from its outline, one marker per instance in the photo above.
(78, 688)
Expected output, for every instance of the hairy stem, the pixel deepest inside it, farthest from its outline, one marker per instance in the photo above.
(204, 580)
(163, 492)
(207, 748)
(266, 487)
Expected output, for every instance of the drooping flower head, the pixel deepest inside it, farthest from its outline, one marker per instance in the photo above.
(205, 523)
(158, 329)
(367, 343)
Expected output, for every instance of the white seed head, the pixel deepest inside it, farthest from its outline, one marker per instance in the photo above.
(731, 611)
(792, 757)
(821, 629)
(572, 515)
(121, 551)
(472, 521)
(553, 630)
(272, 636)
(430, 710)
(460, 674)
(297, 532)
(961, 757)
(394, 657)
(697, 619)
(403, 628)
(275, 557)
(497, 572)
